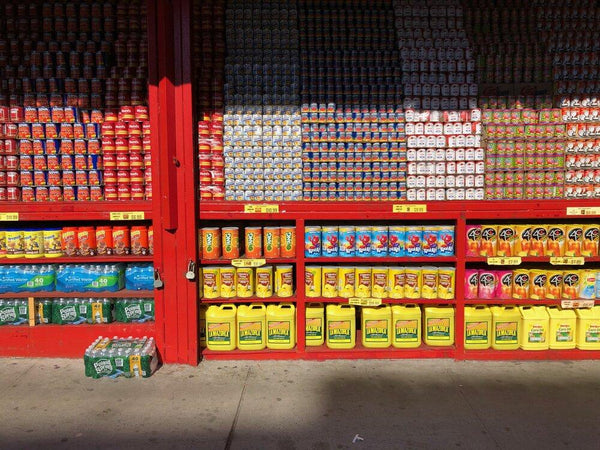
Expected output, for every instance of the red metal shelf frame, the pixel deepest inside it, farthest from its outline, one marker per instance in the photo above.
(55, 294)
(529, 259)
(68, 341)
(73, 211)
(513, 302)
(215, 262)
(218, 301)
(456, 213)
(79, 260)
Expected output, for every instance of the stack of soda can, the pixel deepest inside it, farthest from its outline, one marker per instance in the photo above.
(438, 65)
(208, 58)
(261, 135)
(445, 157)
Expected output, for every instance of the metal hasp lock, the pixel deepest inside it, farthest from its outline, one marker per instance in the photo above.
(158, 282)
(191, 271)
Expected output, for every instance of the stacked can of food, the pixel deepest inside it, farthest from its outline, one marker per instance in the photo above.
(229, 282)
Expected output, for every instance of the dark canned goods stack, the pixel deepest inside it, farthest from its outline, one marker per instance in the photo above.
(262, 138)
(208, 58)
(73, 85)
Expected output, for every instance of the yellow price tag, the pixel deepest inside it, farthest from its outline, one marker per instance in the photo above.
(130, 215)
(572, 304)
(416, 208)
(595, 211)
(264, 209)
(248, 262)
(9, 217)
(504, 261)
(364, 301)
(567, 260)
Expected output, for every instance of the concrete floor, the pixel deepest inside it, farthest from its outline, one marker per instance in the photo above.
(304, 405)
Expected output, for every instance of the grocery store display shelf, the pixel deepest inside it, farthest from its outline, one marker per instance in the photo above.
(250, 354)
(507, 355)
(384, 259)
(55, 294)
(67, 341)
(228, 261)
(77, 210)
(420, 301)
(361, 352)
(79, 259)
(209, 301)
(513, 302)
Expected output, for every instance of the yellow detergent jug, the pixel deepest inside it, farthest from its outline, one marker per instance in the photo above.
(439, 325)
(252, 322)
(534, 327)
(341, 326)
(588, 328)
(406, 320)
(220, 327)
(377, 326)
(281, 326)
(478, 324)
(506, 327)
(202, 325)
(563, 326)
(315, 320)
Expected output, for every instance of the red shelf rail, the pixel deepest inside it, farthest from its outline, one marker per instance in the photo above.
(213, 301)
(387, 259)
(55, 294)
(74, 211)
(79, 260)
(66, 341)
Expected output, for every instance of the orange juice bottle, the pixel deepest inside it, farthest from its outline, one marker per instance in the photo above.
(539, 236)
(574, 244)
(522, 240)
(506, 240)
(489, 240)
(591, 234)
(555, 243)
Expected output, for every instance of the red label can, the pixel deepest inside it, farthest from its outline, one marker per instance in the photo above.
(122, 160)
(83, 193)
(12, 178)
(137, 191)
(69, 193)
(110, 192)
(13, 194)
(124, 192)
(27, 194)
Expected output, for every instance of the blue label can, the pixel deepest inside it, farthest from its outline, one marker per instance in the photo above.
(446, 241)
(363, 241)
(397, 241)
(379, 241)
(414, 241)
(330, 245)
(312, 241)
(347, 241)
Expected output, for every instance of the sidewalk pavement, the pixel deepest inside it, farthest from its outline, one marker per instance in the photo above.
(375, 404)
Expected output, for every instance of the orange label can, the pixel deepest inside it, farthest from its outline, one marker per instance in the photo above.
(104, 241)
(571, 284)
(211, 242)
(139, 240)
(591, 234)
(68, 241)
(539, 238)
(288, 242)
(522, 240)
(151, 240)
(253, 242)
(538, 284)
(230, 242)
(271, 242)
(555, 241)
(554, 285)
(489, 240)
(86, 241)
(574, 240)
(506, 240)
(521, 282)
(121, 241)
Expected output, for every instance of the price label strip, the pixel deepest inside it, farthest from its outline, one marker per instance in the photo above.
(567, 260)
(504, 261)
(572, 304)
(263, 209)
(9, 217)
(248, 262)
(364, 301)
(592, 211)
(128, 215)
(411, 208)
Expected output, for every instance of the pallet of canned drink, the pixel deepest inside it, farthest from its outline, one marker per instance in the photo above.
(121, 357)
